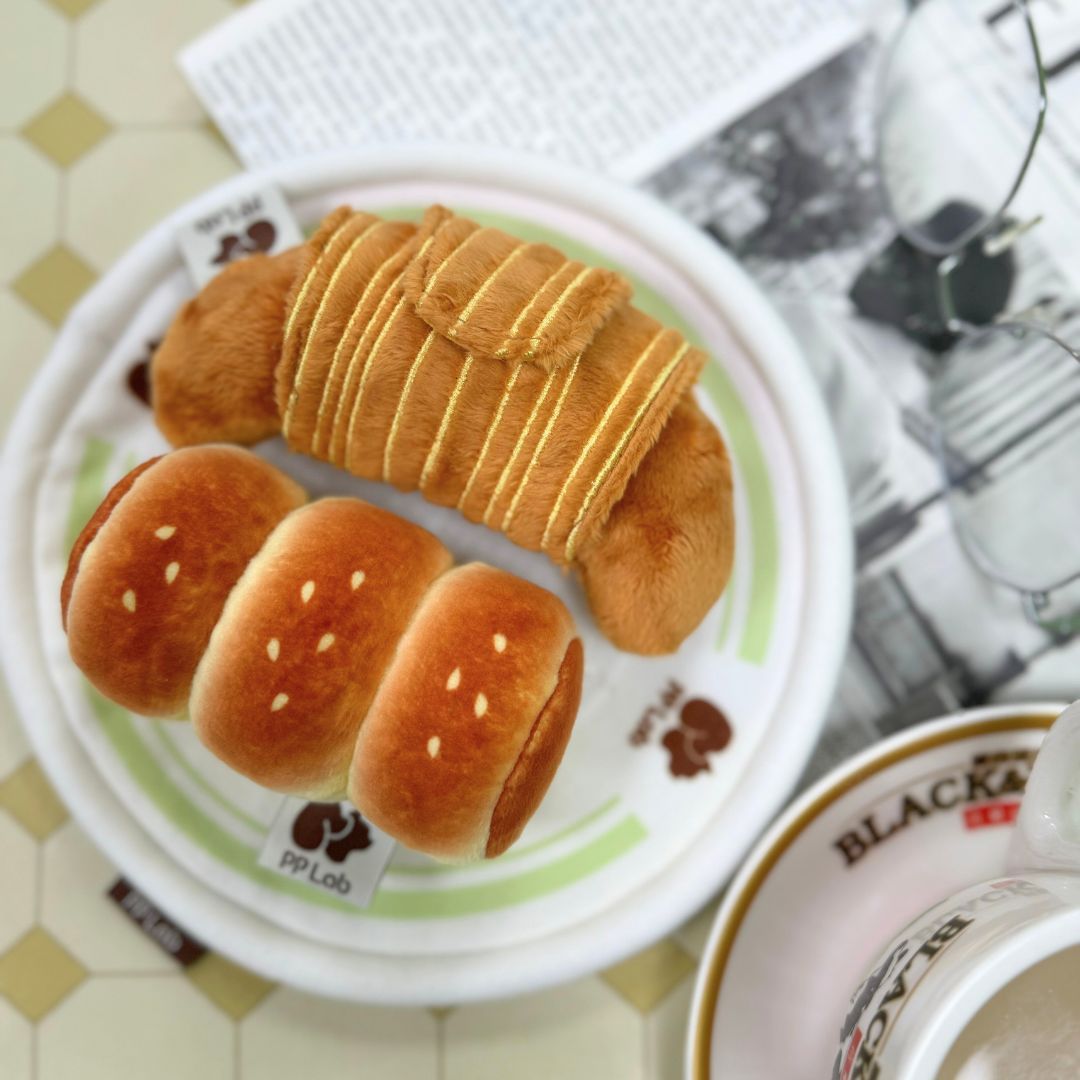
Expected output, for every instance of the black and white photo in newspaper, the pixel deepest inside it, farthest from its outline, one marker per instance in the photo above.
(792, 190)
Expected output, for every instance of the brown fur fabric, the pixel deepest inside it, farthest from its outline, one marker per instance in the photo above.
(490, 374)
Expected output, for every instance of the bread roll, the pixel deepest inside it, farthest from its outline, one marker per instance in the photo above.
(329, 650)
(304, 640)
(473, 716)
(148, 576)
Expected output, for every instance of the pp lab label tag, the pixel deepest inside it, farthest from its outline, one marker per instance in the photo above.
(260, 221)
(330, 847)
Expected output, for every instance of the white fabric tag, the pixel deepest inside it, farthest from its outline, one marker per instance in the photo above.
(330, 847)
(260, 221)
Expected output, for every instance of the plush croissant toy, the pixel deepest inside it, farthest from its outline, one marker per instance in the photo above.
(491, 375)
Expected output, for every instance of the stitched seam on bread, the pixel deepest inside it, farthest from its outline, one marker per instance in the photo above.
(527, 745)
(451, 407)
(87, 537)
(311, 336)
(595, 434)
(605, 470)
(552, 420)
(642, 436)
(339, 350)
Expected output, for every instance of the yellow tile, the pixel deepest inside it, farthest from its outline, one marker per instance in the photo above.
(234, 990)
(647, 978)
(30, 198)
(53, 283)
(72, 8)
(131, 180)
(30, 799)
(66, 129)
(33, 59)
(37, 973)
(131, 45)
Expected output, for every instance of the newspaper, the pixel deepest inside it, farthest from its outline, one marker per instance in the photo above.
(621, 86)
(755, 122)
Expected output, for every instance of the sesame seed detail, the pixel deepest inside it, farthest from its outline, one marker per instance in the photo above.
(325, 642)
(129, 599)
(500, 642)
(433, 745)
(455, 679)
(165, 532)
(357, 579)
(171, 571)
(273, 648)
(480, 705)
(279, 702)
(307, 591)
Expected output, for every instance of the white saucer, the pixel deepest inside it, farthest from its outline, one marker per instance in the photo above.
(848, 865)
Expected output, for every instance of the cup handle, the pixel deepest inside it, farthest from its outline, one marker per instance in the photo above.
(1047, 836)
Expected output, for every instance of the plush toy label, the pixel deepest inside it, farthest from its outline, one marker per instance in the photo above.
(259, 221)
(329, 846)
(155, 924)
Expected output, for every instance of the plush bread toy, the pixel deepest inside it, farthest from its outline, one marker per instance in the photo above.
(326, 650)
(490, 374)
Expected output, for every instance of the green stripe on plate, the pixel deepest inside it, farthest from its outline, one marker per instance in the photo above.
(764, 529)
(89, 488)
(516, 852)
(160, 730)
(119, 728)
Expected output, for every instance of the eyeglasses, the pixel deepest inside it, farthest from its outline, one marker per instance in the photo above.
(962, 102)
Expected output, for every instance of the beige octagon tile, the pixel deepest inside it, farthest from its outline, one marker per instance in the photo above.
(18, 856)
(16, 346)
(133, 179)
(16, 1044)
(135, 1026)
(665, 1034)
(29, 192)
(33, 59)
(125, 58)
(76, 911)
(293, 1034)
(577, 1032)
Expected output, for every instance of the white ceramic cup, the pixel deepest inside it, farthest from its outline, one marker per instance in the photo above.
(937, 973)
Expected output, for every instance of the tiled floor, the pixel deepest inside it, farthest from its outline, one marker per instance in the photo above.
(99, 137)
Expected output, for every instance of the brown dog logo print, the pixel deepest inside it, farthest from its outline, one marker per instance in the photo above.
(259, 237)
(702, 730)
(325, 826)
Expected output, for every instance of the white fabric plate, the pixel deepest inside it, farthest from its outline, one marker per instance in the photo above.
(621, 850)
